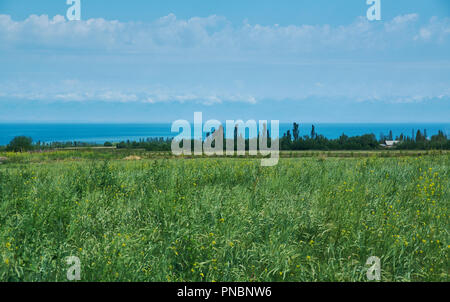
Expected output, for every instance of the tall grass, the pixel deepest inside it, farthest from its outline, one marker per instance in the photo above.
(306, 219)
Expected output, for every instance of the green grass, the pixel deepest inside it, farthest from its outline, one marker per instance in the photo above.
(306, 219)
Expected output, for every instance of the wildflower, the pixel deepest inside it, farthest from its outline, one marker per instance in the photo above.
(308, 257)
(222, 220)
(7, 261)
(201, 274)
(213, 242)
(8, 245)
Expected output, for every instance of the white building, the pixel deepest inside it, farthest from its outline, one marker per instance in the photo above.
(389, 144)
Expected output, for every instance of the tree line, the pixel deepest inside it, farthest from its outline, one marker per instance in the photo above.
(291, 140)
(314, 141)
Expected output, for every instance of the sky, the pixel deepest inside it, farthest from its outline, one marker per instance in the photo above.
(288, 60)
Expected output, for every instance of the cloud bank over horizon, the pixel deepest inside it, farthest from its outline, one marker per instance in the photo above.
(211, 60)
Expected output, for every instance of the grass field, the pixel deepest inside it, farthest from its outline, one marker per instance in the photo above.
(223, 219)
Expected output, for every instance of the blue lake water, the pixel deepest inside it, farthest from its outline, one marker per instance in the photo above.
(100, 133)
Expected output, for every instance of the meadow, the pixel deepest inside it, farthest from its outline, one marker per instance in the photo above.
(310, 218)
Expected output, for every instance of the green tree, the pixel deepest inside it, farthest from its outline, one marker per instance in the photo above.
(295, 131)
(313, 132)
(20, 144)
(390, 137)
(419, 136)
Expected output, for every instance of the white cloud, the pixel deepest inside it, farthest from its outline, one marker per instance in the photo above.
(437, 30)
(76, 91)
(211, 33)
(70, 90)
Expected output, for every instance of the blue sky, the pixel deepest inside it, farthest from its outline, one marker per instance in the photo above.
(157, 61)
